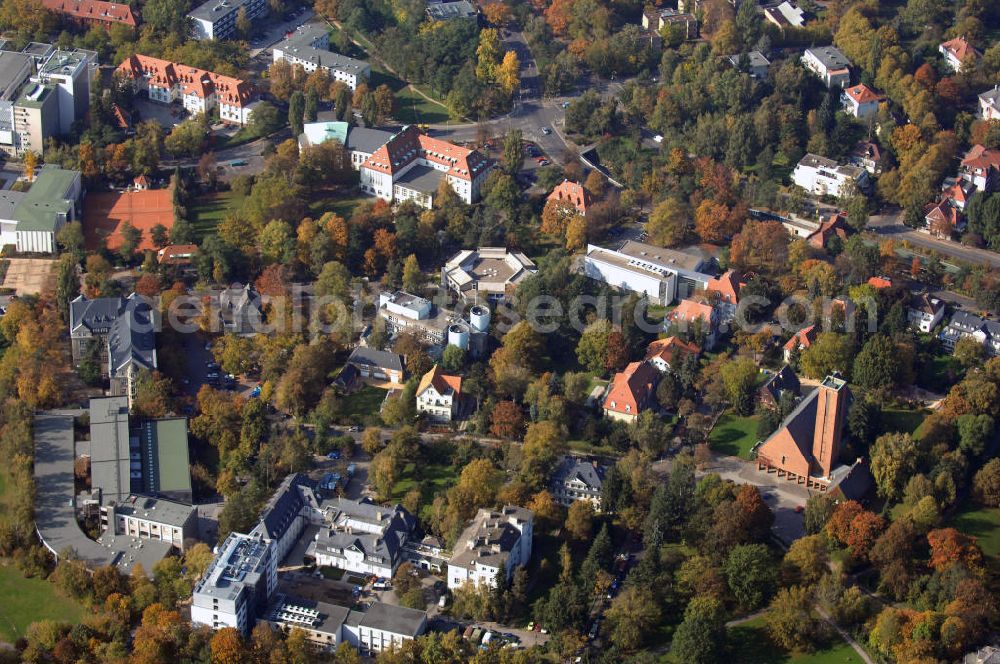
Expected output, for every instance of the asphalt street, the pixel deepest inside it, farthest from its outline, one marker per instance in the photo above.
(891, 225)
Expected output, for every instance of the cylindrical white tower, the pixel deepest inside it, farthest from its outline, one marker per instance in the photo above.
(458, 335)
(479, 318)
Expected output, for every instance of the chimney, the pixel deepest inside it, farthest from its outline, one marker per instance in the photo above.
(831, 412)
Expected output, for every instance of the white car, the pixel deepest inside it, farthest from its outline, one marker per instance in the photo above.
(658, 139)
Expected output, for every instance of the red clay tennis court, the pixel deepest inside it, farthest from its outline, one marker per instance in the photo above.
(104, 213)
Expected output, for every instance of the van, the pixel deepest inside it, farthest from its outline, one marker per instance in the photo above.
(442, 601)
(487, 637)
(381, 585)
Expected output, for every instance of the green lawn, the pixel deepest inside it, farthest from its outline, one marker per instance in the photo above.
(583, 447)
(906, 421)
(208, 211)
(24, 601)
(411, 107)
(431, 478)
(363, 404)
(939, 373)
(337, 203)
(734, 435)
(983, 523)
(334, 573)
(751, 644)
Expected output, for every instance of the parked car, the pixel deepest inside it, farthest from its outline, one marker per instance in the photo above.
(334, 455)
(381, 585)
(546, 131)
(356, 428)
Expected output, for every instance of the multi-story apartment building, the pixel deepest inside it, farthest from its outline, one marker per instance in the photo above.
(412, 166)
(216, 19)
(199, 91)
(830, 64)
(43, 91)
(360, 536)
(578, 479)
(309, 47)
(825, 177)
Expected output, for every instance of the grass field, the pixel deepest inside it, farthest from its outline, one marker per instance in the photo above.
(939, 373)
(363, 404)
(906, 421)
(411, 106)
(24, 601)
(734, 435)
(343, 206)
(983, 523)
(209, 210)
(751, 645)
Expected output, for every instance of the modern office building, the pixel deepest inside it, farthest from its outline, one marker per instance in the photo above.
(237, 586)
(309, 47)
(491, 273)
(151, 518)
(216, 19)
(30, 220)
(43, 91)
(660, 274)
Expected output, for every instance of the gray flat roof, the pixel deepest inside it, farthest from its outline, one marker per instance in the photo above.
(155, 509)
(395, 619)
(367, 140)
(421, 178)
(830, 56)
(300, 45)
(207, 11)
(8, 201)
(109, 448)
(11, 65)
(55, 513)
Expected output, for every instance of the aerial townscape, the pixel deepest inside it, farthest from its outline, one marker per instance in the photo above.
(500, 331)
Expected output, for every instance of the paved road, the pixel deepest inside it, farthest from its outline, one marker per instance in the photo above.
(891, 225)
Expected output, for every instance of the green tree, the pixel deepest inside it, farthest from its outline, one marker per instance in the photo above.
(296, 112)
(877, 365)
(131, 239)
(513, 151)
(412, 276)
(750, 574)
(970, 352)
(894, 459)
(701, 636)
(668, 222)
(593, 345)
(740, 379)
(311, 107)
(633, 616)
(831, 352)
(791, 621)
(243, 25)
(452, 359)
(974, 432)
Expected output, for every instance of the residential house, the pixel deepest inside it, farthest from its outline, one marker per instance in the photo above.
(377, 364)
(439, 395)
(784, 381)
(362, 537)
(924, 312)
(198, 90)
(241, 310)
(177, 254)
(957, 52)
(216, 19)
(631, 392)
(660, 274)
(124, 329)
(806, 447)
(309, 47)
(866, 155)
(85, 13)
(834, 225)
(754, 63)
(655, 19)
(800, 341)
(966, 325)
(989, 104)
(698, 320)
(412, 166)
(827, 62)
(825, 177)
(578, 479)
(727, 288)
(571, 195)
(981, 168)
(496, 542)
(942, 219)
(785, 15)
(860, 101)
(492, 273)
(667, 354)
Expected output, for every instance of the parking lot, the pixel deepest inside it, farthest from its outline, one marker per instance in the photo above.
(28, 276)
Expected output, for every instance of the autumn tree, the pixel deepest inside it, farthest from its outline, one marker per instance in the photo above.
(760, 246)
(580, 520)
(508, 73)
(506, 420)
(668, 223)
(950, 547)
(497, 13)
(893, 461)
(791, 621)
(632, 617)
(227, 647)
(715, 222)
(986, 484)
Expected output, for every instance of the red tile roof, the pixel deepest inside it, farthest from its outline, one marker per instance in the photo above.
(942, 211)
(880, 282)
(727, 286)
(442, 382)
(573, 194)
(689, 310)
(670, 349)
(804, 338)
(979, 158)
(631, 389)
(835, 224)
(861, 94)
(177, 253)
(409, 144)
(93, 10)
(960, 48)
(191, 80)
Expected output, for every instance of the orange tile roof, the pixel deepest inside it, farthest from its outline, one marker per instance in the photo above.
(191, 80)
(572, 193)
(861, 94)
(177, 253)
(689, 310)
(880, 282)
(104, 214)
(631, 388)
(726, 285)
(442, 382)
(960, 48)
(670, 348)
(978, 157)
(409, 145)
(93, 10)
